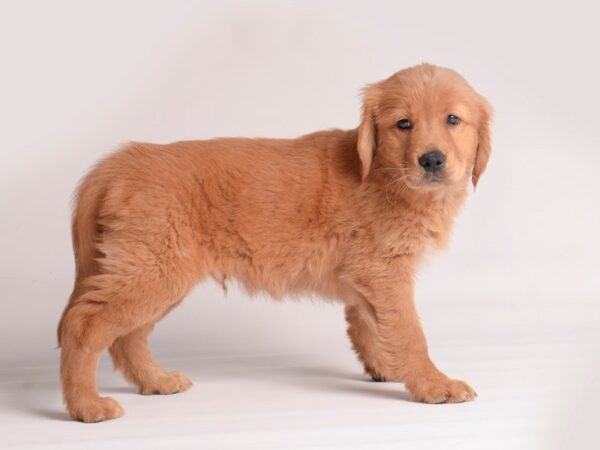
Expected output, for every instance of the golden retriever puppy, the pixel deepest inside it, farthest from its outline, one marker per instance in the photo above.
(346, 214)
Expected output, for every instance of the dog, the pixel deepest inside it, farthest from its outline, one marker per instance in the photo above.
(345, 214)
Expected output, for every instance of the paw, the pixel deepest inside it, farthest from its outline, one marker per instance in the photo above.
(374, 374)
(170, 383)
(377, 378)
(382, 379)
(440, 390)
(95, 409)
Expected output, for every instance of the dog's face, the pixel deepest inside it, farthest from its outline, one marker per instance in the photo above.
(427, 124)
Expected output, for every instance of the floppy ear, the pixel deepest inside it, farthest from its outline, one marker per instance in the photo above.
(484, 146)
(367, 130)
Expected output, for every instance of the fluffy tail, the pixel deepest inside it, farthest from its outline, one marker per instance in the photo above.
(84, 231)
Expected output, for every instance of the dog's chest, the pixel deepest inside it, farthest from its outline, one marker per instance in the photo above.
(407, 233)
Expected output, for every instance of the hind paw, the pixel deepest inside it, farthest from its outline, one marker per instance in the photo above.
(170, 383)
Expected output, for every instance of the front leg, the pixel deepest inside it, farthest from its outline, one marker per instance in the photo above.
(398, 348)
(362, 335)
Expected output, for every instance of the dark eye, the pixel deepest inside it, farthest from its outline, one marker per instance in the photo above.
(404, 124)
(452, 120)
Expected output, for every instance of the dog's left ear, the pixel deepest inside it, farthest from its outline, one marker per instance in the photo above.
(367, 130)
(484, 145)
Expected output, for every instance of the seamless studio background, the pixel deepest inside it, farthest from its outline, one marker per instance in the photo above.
(512, 306)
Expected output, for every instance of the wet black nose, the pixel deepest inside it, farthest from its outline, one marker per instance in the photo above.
(432, 161)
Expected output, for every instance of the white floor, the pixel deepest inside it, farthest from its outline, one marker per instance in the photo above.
(534, 393)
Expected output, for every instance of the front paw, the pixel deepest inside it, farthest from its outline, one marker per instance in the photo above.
(440, 390)
(377, 378)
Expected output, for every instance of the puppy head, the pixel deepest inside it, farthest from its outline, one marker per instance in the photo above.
(427, 124)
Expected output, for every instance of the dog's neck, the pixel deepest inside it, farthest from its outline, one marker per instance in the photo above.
(432, 212)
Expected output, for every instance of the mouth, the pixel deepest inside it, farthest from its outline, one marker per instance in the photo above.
(429, 181)
(434, 178)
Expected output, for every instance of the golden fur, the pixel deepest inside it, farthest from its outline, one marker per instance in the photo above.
(346, 214)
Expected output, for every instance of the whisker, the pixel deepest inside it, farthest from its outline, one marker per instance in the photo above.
(398, 186)
(403, 167)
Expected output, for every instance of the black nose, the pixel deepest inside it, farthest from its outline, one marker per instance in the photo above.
(432, 161)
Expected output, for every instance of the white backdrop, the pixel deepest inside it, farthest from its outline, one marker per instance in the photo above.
(79, 78)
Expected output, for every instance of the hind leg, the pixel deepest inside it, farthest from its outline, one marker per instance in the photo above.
(131, 355)
(112, 307)
(83, 338)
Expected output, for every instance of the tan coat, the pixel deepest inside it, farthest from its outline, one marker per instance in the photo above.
(346, 214)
